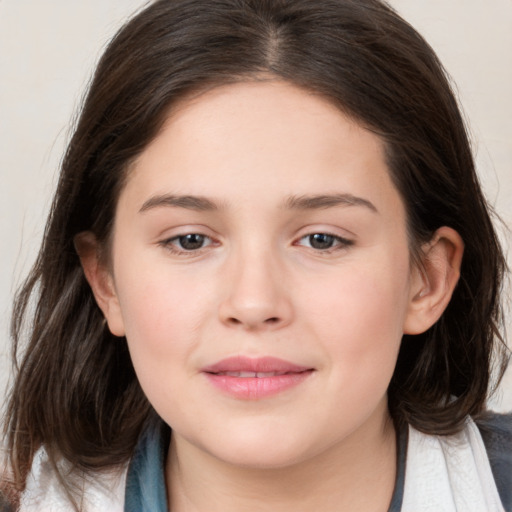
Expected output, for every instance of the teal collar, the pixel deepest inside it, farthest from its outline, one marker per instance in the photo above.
(145, 481)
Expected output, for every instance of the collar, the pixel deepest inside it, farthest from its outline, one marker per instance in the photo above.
(145, 481)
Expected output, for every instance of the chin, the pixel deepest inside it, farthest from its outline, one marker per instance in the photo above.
(260, 449)
(263, 459)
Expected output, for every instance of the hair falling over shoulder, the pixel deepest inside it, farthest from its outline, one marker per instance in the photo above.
(75, 390)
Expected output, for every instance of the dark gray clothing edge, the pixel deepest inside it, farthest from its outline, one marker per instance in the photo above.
(496, 432)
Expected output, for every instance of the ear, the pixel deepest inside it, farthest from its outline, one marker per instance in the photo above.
(434, 280)
(100, 280)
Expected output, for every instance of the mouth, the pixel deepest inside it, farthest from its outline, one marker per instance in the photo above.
(255, 378)
(254, 375)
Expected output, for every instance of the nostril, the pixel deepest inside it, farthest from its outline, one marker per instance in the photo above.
(235, 321)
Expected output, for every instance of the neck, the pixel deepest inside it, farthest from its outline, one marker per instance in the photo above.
(356, 475)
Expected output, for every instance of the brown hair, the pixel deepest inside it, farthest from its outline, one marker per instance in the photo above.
(76, 391)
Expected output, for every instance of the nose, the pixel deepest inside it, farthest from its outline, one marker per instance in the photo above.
(256, 297)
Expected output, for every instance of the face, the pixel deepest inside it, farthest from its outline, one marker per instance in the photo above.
(261, 274)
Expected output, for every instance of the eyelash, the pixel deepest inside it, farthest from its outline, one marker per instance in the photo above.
(339, 243)
(171, 244)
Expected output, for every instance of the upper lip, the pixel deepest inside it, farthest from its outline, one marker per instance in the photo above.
(255, 365)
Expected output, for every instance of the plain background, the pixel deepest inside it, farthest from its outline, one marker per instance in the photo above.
(48, 51)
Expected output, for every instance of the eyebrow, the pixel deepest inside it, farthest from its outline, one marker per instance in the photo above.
(319, 202)
(304, 202)
(197, 203)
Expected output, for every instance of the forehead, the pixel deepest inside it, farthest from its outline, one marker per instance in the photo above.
(261, 140)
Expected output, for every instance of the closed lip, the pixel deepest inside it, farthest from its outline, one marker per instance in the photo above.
(242, 366)
(246, 378)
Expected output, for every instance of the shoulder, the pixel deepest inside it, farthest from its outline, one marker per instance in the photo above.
(496, 432)
(45, 491)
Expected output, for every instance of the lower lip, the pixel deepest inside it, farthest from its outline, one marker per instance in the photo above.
(254, 388)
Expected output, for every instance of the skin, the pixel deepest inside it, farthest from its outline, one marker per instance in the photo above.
(258, 287)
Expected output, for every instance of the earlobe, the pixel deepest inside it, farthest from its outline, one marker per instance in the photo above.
(100, 280)
(434, 282)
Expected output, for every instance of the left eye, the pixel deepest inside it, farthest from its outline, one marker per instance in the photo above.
(323, 241)
(189, 242)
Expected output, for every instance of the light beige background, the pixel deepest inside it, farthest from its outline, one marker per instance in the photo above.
(48, 50)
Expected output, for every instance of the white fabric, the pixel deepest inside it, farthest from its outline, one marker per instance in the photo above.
(443, 474)
(44, 493)
(449, 474)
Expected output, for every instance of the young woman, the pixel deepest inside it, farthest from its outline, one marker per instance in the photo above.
(269, 279)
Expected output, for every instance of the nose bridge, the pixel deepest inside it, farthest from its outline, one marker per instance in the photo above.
(256, 297)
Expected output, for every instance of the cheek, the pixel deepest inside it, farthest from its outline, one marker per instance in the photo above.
(161, 314)
(362, 297)
(359, 329)
(358, 316)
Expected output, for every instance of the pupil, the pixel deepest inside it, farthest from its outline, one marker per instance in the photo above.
(191, 242)
(321, 241)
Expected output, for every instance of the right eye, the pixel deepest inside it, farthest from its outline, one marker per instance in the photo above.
(189, 242)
